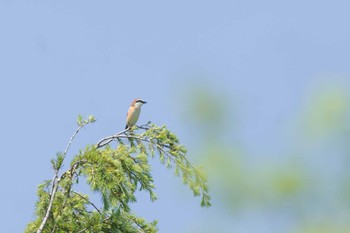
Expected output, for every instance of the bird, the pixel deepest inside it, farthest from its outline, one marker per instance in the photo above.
(134, 112)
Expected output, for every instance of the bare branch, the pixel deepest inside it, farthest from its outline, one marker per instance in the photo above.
(71, 139)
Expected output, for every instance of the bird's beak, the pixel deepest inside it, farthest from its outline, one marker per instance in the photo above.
(144, 102)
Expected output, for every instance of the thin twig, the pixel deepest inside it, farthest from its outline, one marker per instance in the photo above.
(71, 139)
(88, 201)
(137, 224)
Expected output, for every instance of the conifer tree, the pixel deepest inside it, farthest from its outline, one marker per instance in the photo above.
(115, 173)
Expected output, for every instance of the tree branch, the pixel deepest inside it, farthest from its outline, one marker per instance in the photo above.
(71, 139)
(128, 136)
(55, 180)
(52, 196)
(107, 140)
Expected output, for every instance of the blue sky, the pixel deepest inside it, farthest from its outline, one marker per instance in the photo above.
(61, 59)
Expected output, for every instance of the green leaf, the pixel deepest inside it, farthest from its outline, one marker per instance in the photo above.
(80, 120)
(53, 163)
(91, 119)
(59, 160)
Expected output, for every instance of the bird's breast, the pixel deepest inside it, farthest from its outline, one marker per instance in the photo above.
(134, 116)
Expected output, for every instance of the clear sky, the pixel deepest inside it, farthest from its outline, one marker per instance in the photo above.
(59, 59)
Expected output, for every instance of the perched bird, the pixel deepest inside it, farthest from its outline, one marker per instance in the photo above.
(134, 112)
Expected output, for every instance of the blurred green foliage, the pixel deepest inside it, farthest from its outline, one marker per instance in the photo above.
(309, 183)
(326, 112)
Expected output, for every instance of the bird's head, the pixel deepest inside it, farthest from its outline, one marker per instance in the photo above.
(137, 103)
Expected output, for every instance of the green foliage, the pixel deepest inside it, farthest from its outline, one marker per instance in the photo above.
(56, 164)
(82, 122)
(115, 174)
(326, 113)
(173, 154)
